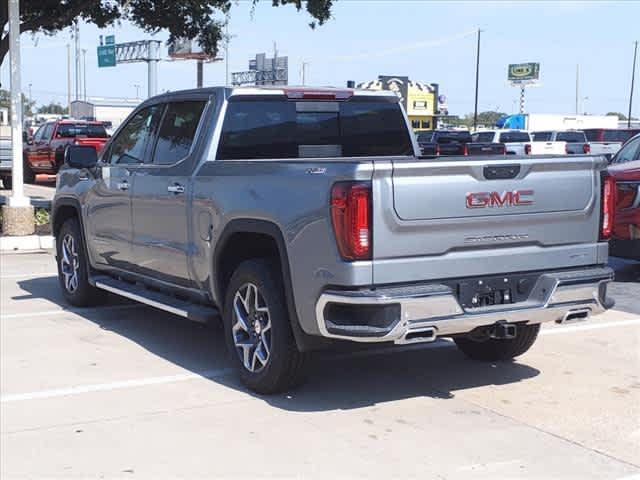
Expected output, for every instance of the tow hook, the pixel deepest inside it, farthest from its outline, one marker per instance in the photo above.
(502, 330)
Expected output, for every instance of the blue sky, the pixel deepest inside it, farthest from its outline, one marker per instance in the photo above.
(426, 40)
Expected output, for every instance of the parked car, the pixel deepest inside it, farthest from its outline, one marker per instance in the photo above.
(460, 143)
(44, 152)
(575, 140)
(607, 141)
(428, 148)
(625, 172)
(306, 216)
(519, 142)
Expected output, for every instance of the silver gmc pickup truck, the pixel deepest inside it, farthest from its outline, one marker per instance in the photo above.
(306, 217)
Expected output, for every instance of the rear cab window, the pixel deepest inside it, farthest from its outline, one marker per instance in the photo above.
(483, 137)
(265, 128)
(514, 137)
(571, 137)
(453, 136)
(542, 136)
(72, 130)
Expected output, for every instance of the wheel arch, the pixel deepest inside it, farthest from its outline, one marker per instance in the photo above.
(243, 239)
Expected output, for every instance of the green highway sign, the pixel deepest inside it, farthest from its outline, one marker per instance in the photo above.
(107, 56)
(110, 40)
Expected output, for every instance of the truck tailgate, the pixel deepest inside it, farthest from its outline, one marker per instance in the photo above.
(467, 217)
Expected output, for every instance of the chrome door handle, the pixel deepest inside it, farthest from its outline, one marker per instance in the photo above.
(176, 188)
(123, 186)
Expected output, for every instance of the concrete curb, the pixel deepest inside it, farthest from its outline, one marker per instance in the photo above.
(26, 243)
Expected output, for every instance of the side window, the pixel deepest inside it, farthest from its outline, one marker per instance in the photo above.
(177, 131)
(629, 152)
(258, 129)
(130, 144)
(48, 130)
(38, 136)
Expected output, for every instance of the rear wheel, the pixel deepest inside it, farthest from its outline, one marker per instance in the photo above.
(493, 349)
(258, 329)
(73, 272)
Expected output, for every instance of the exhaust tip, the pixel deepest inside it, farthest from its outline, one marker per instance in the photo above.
(426, 334)
(575, 316)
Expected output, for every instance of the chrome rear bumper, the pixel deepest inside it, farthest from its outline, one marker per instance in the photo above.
(434, 309)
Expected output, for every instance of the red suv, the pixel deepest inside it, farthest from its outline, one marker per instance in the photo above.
(625, 170)
(44, 153)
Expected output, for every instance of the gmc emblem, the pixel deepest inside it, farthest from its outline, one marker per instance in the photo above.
(515, 198)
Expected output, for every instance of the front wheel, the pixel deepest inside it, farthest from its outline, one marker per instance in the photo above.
(73, 267)
(258, 329)
(493, 349)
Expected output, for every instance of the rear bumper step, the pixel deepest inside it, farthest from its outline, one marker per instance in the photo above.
(422, 313)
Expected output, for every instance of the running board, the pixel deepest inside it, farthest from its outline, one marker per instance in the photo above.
(192, 311)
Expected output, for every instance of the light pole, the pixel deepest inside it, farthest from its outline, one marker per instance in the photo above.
(475, 110)
(17, 216)
(633, 77)
(137, 87)
(84, 73)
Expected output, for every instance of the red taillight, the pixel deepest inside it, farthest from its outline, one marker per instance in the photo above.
(527, 149)
(586, 148)
(466, 149)
(608, 207)
(438, 149)
(351, 217)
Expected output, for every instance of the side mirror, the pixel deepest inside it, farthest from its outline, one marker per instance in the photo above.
(81, 156)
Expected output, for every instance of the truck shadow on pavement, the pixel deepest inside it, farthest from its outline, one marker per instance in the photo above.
(337, 380)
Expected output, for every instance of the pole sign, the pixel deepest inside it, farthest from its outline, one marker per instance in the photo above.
(107, 56)
(110, 40)
(524, 72)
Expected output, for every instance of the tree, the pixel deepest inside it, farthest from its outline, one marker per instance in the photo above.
(27, 105)
(54, 108)
(621, 116)
(192, 19)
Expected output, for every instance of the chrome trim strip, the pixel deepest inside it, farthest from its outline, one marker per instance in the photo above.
(550, 300)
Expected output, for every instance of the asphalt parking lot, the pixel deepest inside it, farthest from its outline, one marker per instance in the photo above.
(125, 391)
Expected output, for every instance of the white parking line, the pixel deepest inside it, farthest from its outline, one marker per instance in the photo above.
(69, 311)
(101, 387)
(28, 275)
(591, 326)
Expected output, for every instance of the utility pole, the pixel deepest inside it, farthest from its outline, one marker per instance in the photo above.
(304, 72)
(152, 67)
(68, 79)
(475, 110)
(633, 78)
(17, 216)
(137, 87)
(76, 35)
(199, 73)
(84, 73)
(577, 89)
(226, 52)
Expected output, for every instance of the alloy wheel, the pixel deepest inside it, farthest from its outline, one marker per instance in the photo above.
(70, 263)
(251, 328)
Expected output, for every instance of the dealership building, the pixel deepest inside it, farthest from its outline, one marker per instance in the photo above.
(420, 100)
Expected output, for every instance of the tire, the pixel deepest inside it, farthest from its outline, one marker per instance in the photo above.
(493, 350)
(7, 182)
(28, 174)
(258, 331)
(72, 259)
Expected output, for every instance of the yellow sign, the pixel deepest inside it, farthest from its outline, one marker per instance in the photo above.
(420, 102)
